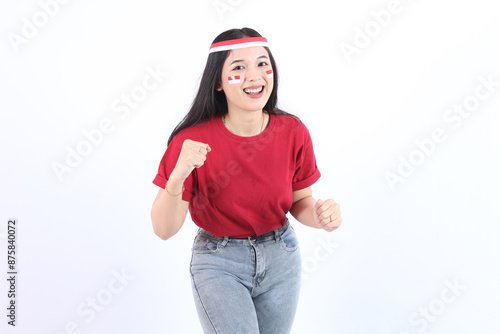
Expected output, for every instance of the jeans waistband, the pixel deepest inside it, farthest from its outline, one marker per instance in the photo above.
(276, 234)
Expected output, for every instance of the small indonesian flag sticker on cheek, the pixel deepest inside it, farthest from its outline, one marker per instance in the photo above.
(269, 73)
(234, 79)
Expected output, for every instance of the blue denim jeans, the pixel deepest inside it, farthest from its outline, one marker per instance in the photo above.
(246, 286)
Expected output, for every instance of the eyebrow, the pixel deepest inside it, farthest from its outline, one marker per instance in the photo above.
(240, 60)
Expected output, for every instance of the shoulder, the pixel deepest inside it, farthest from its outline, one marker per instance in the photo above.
(291, 123)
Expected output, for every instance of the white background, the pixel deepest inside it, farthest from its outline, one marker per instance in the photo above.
(386, 270)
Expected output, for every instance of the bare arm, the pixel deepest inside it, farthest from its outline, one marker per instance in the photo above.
(303, 207)
(317, 214)
(169, 209)
(169, 212)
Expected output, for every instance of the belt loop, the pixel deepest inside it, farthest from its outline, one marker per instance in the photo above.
(225, 241)
(277, 235)
(279, 232)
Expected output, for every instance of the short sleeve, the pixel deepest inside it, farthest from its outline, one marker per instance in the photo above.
(167, 164)
(306, 171)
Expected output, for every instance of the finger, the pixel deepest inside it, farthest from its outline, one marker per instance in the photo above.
(333, 225)
(331, 228)
(204, 148)
(330, 219)
(198, 163)
(322, 208)
(197, 146)
(199, 143)
(319, 202)
(330, 211)
(329, 207)
(325, 215)
(326, 221)
(327, 204)
(198, 159)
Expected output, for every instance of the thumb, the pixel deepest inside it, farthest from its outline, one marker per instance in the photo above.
(319, 203)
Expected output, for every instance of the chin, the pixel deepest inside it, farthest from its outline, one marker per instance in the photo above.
(255, 108)
(257, 105)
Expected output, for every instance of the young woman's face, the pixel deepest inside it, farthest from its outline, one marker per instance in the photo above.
(247, 79)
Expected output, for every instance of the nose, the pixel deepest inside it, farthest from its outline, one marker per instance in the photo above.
(253, 73)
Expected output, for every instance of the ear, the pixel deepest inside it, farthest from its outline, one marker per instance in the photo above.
(218, 87)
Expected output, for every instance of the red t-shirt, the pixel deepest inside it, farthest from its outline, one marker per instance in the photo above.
(245, 186)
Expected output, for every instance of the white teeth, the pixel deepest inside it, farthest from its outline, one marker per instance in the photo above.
(254, 90)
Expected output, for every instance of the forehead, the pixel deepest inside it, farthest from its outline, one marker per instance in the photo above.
(246, 54)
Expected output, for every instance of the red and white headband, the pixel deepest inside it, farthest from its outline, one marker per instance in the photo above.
(238, 44)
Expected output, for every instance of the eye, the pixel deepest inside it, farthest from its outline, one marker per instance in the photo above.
(263, 63)
(236, 68)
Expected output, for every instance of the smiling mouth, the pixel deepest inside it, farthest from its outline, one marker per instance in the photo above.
(253, 90)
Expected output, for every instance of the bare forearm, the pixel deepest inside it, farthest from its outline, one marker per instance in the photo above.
(168, 214)
(303, 211)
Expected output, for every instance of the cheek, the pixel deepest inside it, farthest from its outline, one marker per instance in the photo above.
(231, 87)
(233, 79)
(270, 74)
(270, 84)
(230, 79)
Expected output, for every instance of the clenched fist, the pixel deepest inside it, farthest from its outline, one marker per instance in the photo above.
(327, 214)
(193, 155)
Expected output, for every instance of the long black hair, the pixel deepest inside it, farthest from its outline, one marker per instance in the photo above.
(209, 102)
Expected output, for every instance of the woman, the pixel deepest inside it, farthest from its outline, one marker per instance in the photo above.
(239, 164)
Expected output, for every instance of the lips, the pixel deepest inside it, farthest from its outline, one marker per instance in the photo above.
(254, 90)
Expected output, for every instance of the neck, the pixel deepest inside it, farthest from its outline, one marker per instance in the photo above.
(245, 124)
